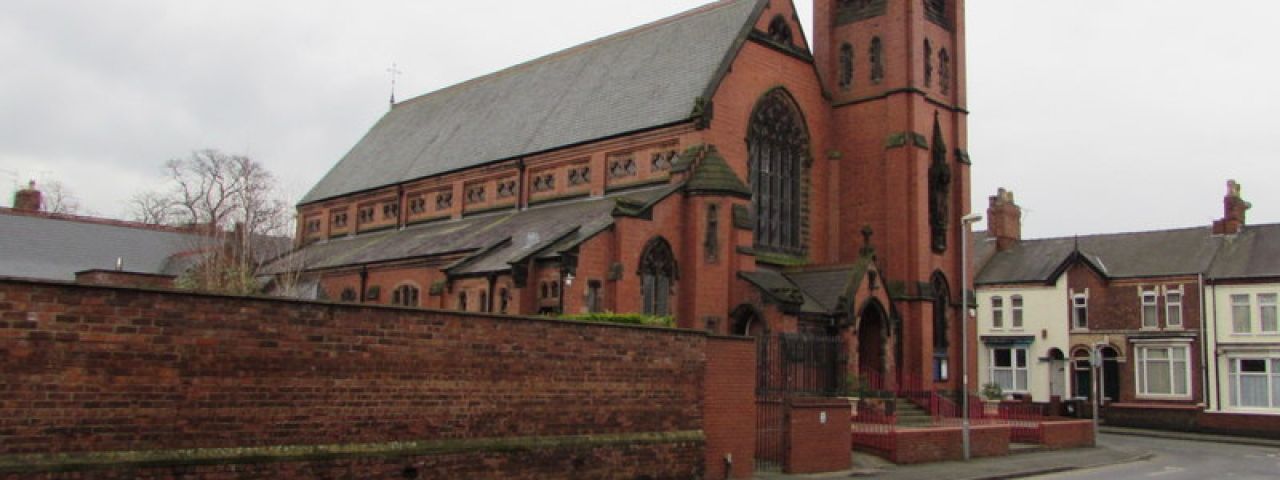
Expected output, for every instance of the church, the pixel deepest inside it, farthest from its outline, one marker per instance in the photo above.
(713, 167)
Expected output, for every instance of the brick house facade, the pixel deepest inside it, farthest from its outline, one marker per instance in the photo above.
(711, 166)
(1184, 319)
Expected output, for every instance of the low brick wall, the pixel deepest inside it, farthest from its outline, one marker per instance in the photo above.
(174, 382)
(926, 445)
(1164, 417)
(1066, 434)
(818, 437)
(1264, 426)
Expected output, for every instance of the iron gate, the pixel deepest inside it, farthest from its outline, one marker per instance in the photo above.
(788, 365)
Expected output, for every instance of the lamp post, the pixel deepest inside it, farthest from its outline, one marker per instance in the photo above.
(965, 223)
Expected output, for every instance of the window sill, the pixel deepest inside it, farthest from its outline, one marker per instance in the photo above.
(1178, 398)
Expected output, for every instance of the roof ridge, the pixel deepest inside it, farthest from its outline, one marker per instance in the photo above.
(573, 49)
(112, 222)
(1116, 234)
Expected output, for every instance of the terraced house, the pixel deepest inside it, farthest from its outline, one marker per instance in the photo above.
(1184, 320)
(712, 166)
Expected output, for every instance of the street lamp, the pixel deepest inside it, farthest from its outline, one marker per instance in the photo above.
(965, 223)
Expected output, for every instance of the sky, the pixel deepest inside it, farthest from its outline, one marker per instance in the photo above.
(1101, 115)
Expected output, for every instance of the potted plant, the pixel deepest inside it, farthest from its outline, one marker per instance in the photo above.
(992, 394)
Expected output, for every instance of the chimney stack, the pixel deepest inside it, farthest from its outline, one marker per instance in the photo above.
(1233, 211)
(28, 199)
(1004, 220)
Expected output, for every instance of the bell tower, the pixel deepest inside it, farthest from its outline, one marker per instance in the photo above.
(895, 73)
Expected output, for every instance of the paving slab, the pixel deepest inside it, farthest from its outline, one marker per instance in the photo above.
(1009, 466)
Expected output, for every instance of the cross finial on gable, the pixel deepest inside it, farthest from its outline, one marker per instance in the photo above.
(395, 72)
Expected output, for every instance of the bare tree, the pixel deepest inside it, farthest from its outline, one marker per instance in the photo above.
(232, 198)
(153, 208)
(220, 190)
(57, 198)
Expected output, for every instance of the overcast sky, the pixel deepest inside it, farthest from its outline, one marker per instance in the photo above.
(1102, 115)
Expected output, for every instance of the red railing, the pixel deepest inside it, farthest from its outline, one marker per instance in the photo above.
(874, 430)
(1024, 420)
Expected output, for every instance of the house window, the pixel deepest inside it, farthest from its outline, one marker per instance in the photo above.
(462, 301)
(390, 210)
(484, 302)
(1163, 371)
(1150, 310)
(997, 312)
(417, 204)
(340, 220)
(1173, 308)
(1267, 310)
(1016, 300)
(778, 143)
(405, 296)
(504, 300)
(1241, 321)
(657, 277)
(1009, 368)
(1255, 382)
(1080, 311)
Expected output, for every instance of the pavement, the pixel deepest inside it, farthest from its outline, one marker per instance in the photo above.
(1022, 462)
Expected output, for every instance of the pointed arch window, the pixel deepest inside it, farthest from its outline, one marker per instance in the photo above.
(846, 66)
(778, 144)
(657, 277)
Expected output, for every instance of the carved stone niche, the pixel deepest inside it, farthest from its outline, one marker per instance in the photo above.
(849, 11)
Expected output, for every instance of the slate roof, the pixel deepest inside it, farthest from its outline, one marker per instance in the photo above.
(55, 248)
(817, 290)
(638, 79)
(1253, 253)
(490, 241)
(1186, 251)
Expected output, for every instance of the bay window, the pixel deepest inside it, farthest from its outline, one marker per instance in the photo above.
(1163, 371)
(1254, 383)
(1009, 368)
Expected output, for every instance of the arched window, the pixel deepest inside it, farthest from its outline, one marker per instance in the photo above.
(657, 277)
(405, 295)
(941, 326)
(778, 143)
(875, 55)
(928, 63)
(944, 70)
(846, 66)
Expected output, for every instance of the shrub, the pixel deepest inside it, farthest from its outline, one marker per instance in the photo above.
(623, 318)
(992, 391)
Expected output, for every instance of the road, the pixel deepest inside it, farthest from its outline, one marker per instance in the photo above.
(1182, 459)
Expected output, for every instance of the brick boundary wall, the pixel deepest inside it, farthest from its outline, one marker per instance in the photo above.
(1065, 434)
(1195, 421)
(730, 396)
(818, 438)
(157, 382)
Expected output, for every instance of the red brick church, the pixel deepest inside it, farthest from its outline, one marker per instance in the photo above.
(712, 166)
